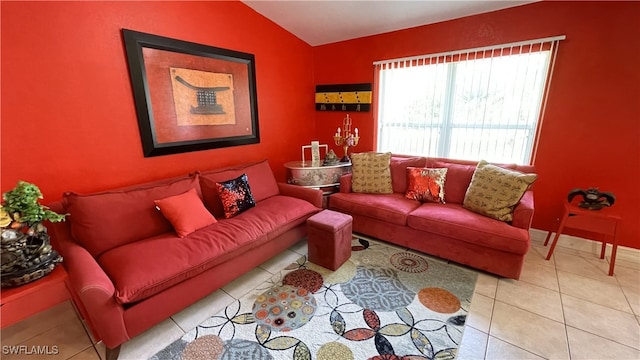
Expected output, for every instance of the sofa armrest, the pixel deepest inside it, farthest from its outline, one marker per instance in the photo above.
(96, 292)
(90, 285)
(345, 183)
(314, 196)
(523, 212)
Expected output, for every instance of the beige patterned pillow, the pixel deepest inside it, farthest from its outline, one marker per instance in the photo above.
(371, 173)
(495, 191)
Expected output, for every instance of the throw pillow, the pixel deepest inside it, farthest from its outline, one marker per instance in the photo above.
(371, 173)
(458, 178)
(185, 212)
(235, 195)
(495, 191)
(261, 180)
(426, 184)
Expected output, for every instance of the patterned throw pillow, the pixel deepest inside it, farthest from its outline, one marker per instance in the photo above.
(495, 191)
(371, 173)
(235, 195)
(426, 184)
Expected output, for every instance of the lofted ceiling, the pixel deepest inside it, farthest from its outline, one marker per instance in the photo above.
(319, 22)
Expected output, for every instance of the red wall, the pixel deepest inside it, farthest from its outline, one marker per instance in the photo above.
(591, 131)
(69, 122)
(68, 115)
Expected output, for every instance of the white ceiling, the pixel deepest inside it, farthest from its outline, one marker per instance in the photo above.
(319, 22)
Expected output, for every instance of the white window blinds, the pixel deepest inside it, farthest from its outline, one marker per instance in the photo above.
(482, 103)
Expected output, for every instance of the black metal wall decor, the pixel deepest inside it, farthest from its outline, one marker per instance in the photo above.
(592, 198)
(343, 97)
(191, 96)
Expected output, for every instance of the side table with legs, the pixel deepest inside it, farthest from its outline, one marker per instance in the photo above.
(593, 221)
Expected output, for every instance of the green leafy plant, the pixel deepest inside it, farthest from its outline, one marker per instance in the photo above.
(22, 205)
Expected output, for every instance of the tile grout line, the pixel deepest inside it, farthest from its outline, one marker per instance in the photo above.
(564, 317)
(601, 337)
(493, 311)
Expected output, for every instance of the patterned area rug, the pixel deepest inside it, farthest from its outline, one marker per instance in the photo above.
(384, 303)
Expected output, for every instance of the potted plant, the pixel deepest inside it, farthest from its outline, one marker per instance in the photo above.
(26, 253)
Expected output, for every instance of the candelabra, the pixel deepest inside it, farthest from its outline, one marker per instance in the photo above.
(343, 137)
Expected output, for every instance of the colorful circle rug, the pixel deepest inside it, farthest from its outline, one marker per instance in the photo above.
(383, 303)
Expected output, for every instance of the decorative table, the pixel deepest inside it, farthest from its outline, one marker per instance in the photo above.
(315, 175)
(600, 222)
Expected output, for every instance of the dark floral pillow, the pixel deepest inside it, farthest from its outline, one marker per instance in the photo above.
(235, 195)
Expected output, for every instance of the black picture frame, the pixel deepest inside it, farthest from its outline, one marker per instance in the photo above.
(193, 121)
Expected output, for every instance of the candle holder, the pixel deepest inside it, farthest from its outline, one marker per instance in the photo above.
(343, 137)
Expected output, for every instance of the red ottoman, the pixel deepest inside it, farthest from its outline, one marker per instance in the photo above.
(329, 238)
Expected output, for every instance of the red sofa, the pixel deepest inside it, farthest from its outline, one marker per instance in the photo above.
(129, 270)
(445, 230)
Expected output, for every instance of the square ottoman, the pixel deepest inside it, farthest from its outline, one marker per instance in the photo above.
(329, 238)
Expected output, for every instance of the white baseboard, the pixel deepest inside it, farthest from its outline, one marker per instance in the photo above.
(587, 245)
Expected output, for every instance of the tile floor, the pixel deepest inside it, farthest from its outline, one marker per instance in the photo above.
(564, 308)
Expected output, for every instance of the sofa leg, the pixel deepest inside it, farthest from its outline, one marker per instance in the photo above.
(112, 354)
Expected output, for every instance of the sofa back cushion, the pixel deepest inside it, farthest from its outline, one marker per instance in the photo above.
(105, 220)
(457, 181)
(399, 167)
(261, 181)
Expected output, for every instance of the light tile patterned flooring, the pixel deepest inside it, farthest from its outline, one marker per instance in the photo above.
(564, 308)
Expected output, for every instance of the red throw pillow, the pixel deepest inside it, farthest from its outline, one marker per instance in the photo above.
(426, 184)
(235, 195)
(185, 212)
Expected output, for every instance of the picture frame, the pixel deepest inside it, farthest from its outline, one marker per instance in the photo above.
(190, 96)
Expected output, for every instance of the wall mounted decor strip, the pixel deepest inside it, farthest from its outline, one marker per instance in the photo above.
(343, 97)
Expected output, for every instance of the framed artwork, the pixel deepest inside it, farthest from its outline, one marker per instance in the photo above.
(190, 96)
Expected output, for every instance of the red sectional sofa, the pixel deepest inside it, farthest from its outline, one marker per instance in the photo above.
(129, 270)
(445, 230)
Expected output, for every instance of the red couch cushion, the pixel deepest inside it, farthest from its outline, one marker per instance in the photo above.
(392, 208)
(298, 211)
(399, 171)
(261, 182)
(457, 181)
(105, 220)
(452, 220)
(144, 268)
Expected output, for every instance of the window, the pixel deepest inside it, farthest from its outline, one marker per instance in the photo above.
(473, 104)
